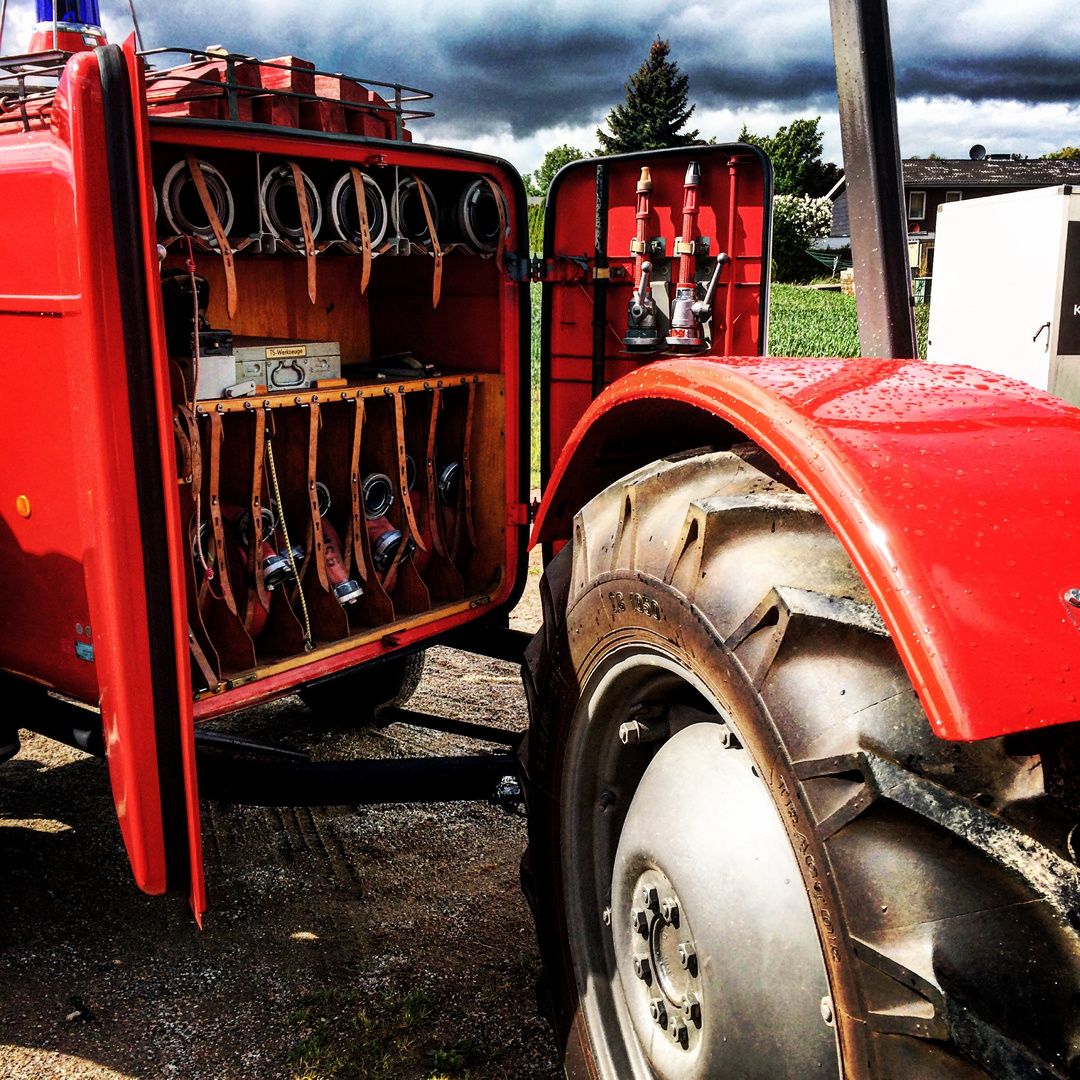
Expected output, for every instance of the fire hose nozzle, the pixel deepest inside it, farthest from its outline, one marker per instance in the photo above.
(693, 174)
(645, 182)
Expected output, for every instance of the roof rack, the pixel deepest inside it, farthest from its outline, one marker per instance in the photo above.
(225, 85)
(28, 101)
(237, 80)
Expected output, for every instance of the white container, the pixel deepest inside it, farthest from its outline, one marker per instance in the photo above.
(1006, 293)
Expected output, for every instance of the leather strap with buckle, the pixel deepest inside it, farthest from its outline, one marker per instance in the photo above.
(224, 249)
(365, 230)
(436, 284)
(305, 225)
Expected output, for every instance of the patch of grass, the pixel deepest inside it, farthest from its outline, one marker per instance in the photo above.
(814, 322)
(343, 1033)
(456, 1062)
(534, 297)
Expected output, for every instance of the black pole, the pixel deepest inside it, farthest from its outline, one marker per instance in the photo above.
(599, 322)
(866, 89)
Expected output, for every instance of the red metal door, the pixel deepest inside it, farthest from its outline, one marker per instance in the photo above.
(592, 260)
(126, 474)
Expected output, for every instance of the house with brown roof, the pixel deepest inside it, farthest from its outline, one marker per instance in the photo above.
(929, 182)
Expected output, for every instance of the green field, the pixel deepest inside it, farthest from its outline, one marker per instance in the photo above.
(802, 322)
(813, 322)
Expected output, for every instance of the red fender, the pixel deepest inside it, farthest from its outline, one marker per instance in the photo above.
(953, 490)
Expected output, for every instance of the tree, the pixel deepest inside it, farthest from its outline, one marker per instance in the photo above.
(656, 108)
(1069, 153)
(538, 182)
(795, 152)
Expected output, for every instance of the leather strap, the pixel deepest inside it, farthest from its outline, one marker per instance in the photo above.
(217, 436)
(432, 483)
(259, 594)
(465, 463)
(305, 224)
(358, 519)
(186, 431)
(436, 284)
(403, 471)
(500, 251)
(201, 661)
(315, 543)
(365, 231)
(219, 233)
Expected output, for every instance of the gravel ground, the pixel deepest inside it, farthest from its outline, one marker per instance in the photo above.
(340, 942)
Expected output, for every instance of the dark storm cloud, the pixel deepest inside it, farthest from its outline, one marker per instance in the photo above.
(515, 67)
(1022, 78)
(798, 83)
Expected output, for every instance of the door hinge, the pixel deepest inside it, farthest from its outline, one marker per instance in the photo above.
(525, 268)
(521, 513)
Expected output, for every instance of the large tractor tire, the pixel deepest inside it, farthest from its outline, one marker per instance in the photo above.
(749, 856)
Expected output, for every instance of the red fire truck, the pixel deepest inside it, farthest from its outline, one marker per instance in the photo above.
(802, 770)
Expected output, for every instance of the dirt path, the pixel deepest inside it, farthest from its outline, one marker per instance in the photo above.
(379, 942)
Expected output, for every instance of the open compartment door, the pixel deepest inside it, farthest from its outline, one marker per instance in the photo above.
(126, 472)
(604, 218)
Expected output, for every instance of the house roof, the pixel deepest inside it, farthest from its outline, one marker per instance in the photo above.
(963, 172)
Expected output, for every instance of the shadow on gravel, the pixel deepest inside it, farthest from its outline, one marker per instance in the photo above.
(340, 942)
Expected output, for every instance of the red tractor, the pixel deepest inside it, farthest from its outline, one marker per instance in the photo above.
(802, 772)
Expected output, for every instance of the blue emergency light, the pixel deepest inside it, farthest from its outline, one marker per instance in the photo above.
(73, 13)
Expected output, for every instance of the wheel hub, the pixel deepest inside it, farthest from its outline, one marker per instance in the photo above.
(665, 962)
(717, 959)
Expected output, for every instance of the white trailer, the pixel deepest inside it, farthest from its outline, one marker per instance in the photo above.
(1007, 287)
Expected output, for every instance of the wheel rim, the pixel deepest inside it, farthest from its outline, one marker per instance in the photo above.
(694, 944)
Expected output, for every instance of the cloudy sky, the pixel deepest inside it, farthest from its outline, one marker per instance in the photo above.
(515, 78)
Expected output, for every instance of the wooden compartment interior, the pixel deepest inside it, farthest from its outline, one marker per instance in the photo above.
(439, 440)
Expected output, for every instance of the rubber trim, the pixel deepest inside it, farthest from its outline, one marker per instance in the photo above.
(146, 451)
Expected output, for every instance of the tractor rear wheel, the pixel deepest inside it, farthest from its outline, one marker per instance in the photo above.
(749, 856)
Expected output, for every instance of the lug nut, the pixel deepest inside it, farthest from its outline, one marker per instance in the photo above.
(658, 1011)
(729, 739)
(827, 1010)
(687, 957)
(642, 968)
(691, 1009)
(639, 920)
(669, 910)
(649, 897)
(606, 916)
(677, 1030)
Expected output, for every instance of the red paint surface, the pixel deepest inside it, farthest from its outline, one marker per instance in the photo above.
(106, 511)
(954, 491)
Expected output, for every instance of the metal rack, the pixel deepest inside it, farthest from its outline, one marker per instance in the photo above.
(232, 89)
(28, 102)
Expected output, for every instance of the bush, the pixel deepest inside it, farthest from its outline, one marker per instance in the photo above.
(797, 219)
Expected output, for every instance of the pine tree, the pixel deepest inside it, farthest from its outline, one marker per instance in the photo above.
(655, 110)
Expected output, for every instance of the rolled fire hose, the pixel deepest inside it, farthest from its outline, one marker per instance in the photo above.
(344, 588)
